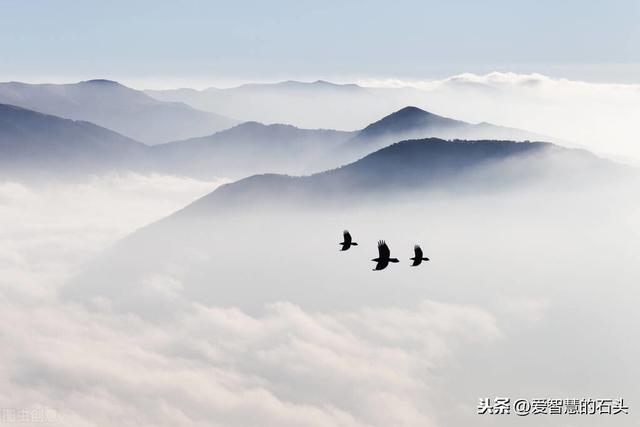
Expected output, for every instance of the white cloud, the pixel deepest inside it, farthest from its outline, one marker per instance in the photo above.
(210, 366)
(515, 309)
(601, 117)
(218, 366)
(58, 225)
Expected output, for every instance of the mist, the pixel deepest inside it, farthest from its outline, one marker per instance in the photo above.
(211, 214)
(229, 318)
(600, 117)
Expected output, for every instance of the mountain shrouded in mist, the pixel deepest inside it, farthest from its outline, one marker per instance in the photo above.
(33, 142)
(276, 210)
(318, 104)
(177, 179)
(600, 117)
(408, 119)
(242, 150)
(422, 165)
(322, 104)
(116, 107)
(413, 122)
(251, 148)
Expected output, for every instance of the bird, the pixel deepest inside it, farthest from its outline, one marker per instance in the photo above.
(347, 241)
(383, 259)
(418, 258)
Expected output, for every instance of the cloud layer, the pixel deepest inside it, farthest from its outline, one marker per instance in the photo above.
(598, 116)
(530, 295)
(203, 365)
(218, 366)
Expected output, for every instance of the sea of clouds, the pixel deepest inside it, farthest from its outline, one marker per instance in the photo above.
(525, 297)
(203, 365)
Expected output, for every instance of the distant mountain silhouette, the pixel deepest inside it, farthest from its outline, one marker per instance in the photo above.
(412, 122)
(324, 105)
(293, 84)
(319, 104)
(406, 120)
(117, 107)
(291, 222)
(415, 166)
(34, 142)
(251, 148)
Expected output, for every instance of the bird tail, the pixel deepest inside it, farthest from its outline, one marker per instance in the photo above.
(393, 260)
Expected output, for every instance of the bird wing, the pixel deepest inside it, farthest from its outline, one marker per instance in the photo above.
(382, 264)
(347, 236)
(418, 251)
(383, 250)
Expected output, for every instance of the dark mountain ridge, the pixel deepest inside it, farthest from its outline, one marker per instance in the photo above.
(407, 119)
(253, 147)
(243, 150)
(35, 142)
(414, 123)
(430, 164)
(287, 222)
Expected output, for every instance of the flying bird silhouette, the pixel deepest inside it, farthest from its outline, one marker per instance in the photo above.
(383, 259)
(418, 257)
(347, 241)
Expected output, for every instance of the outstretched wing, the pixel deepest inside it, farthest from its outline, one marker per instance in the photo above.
(383, 250)
(418, 251)
(347, 237)
(382, 264)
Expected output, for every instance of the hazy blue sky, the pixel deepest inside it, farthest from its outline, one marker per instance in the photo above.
(268, 40)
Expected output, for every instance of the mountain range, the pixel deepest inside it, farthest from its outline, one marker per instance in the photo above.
(278, 223)
(33, 143)
(414, 123)
(114, 106)
(321, 104)
(251, 148)
(419, 165)
(242, 150)
(318, 104)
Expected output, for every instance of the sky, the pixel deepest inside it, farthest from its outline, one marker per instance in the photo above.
(198, 43)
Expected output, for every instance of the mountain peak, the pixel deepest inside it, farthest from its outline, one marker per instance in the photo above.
(104, 82)
(410, 110)
(405, 120)
(408, 113)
